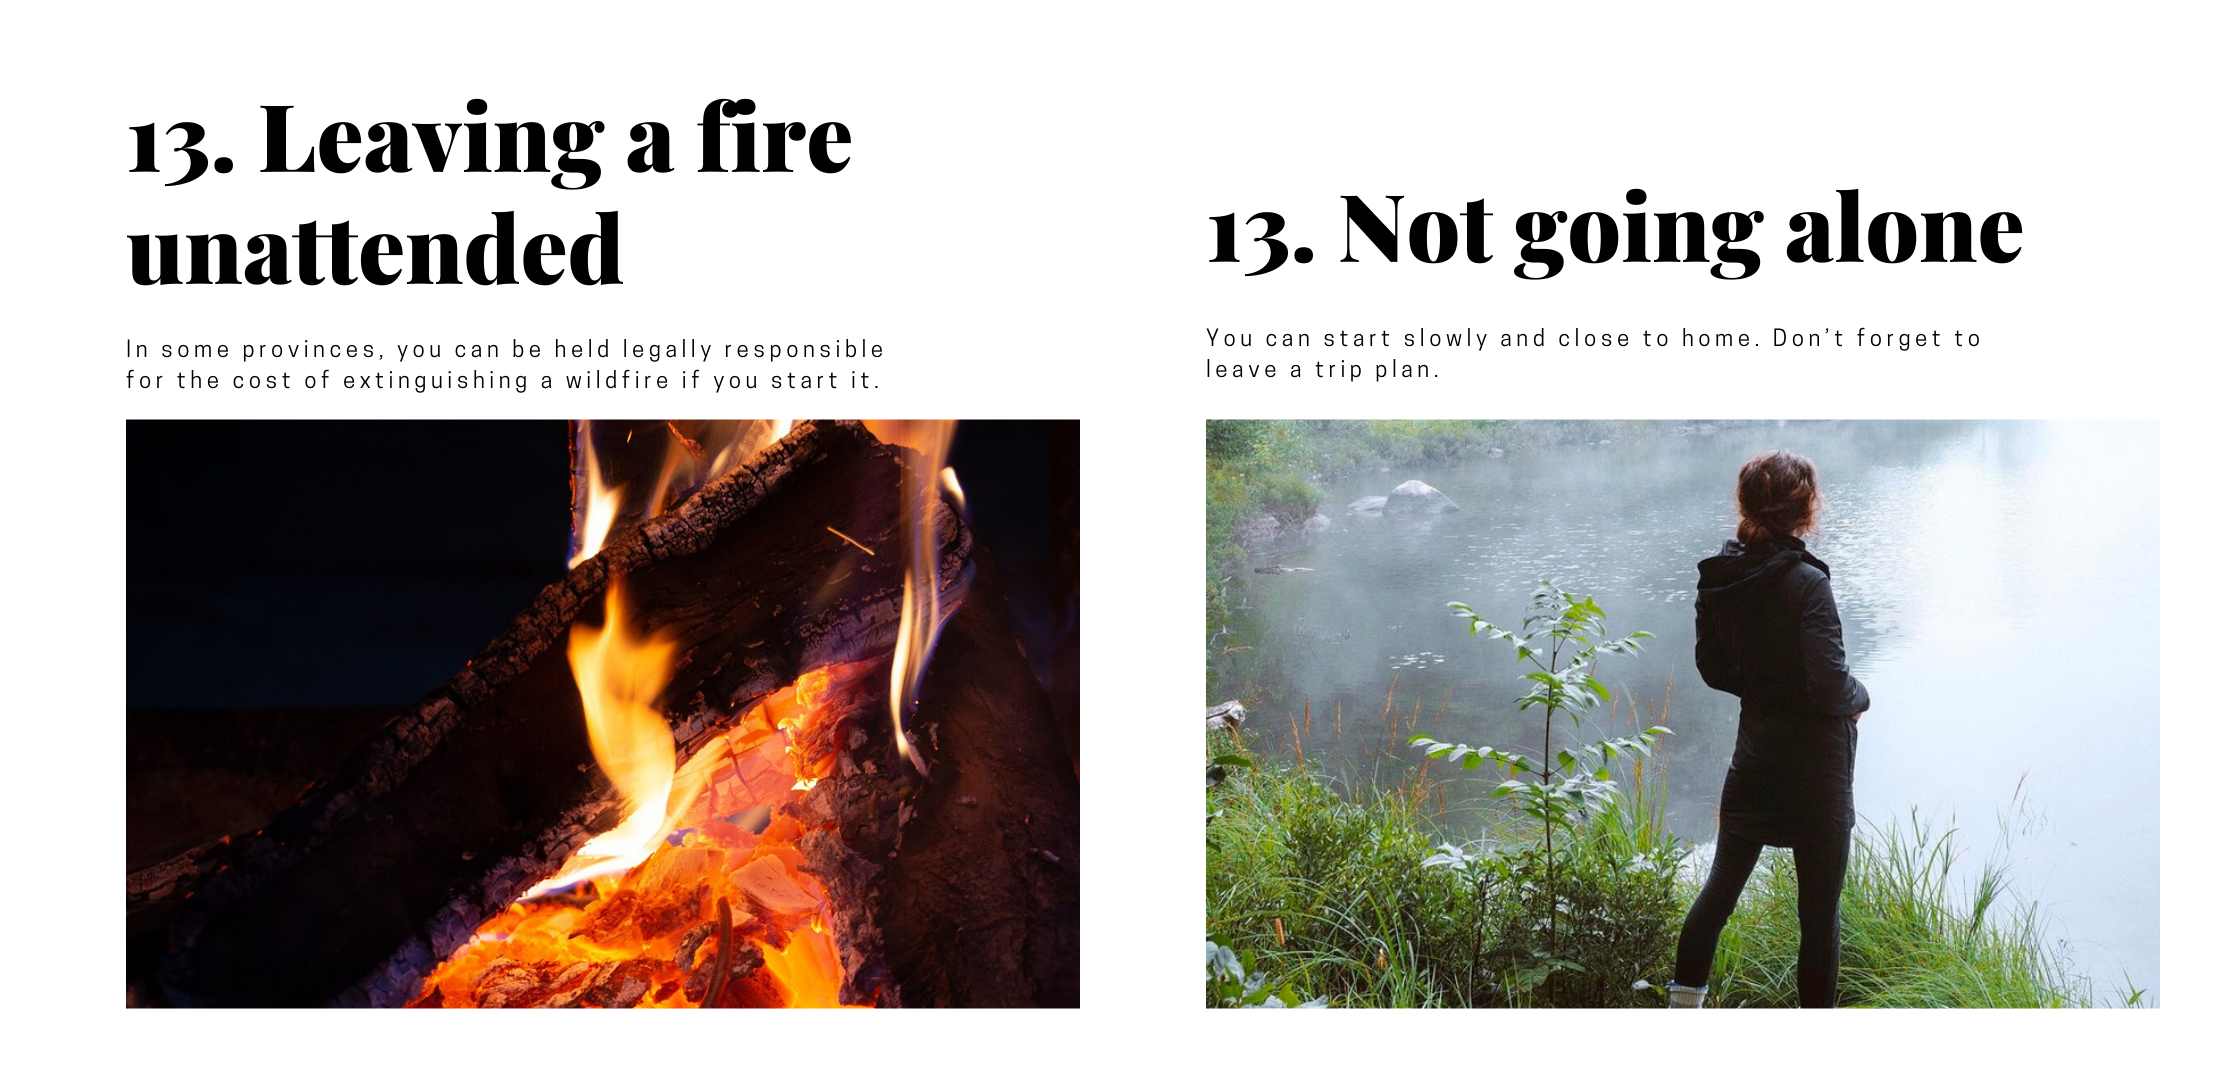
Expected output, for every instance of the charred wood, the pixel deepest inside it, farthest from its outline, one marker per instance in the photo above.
(485, 786)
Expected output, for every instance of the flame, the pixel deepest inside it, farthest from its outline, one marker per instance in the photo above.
(697, 451)
(807, 967)
(954, 487)
(722, 830)
(595, 506)
(921, 614)
(701, 450)
(621, 677)
(754, 437)
(734, 839)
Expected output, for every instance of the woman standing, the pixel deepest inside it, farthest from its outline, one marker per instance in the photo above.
(1768, 632)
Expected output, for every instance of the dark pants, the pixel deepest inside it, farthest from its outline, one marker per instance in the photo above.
(1820, 866)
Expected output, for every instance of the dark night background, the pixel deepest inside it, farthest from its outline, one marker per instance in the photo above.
(294, 563)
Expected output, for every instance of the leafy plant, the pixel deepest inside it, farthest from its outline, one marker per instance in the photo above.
(1231, 983)
(1245, 441)
(1620, 906)
(1561, 638)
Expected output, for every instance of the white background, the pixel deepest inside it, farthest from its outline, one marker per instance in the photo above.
(1024, 227)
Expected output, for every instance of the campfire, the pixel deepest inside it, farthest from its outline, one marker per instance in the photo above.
(716, 908)
(699, 896)
(685, 777)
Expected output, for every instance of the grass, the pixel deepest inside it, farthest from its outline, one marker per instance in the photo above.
(1333, 895)
(1914, 934)
(1330, 893)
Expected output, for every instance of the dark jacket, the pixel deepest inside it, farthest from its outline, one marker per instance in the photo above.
(1767, 630)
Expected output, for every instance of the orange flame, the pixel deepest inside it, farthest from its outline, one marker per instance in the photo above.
(649, 891)
(737, 841)
(598, 504)
(697, 452)
(621, 677)
(954, 487)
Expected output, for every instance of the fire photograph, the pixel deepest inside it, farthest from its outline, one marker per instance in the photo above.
(1682, 713)
(614, 714)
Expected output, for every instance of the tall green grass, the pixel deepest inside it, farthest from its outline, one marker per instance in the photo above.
(1332, 894)
(1915, 932)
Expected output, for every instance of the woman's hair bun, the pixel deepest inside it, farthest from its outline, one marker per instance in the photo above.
(1777, 496)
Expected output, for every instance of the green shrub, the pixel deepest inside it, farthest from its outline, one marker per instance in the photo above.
(1290, 497)
(1351, 899)
(1239, 443)
(1227, 497)
(1616, 924)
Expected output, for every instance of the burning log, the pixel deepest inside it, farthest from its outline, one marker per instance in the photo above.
(489, 784)
(978, 903)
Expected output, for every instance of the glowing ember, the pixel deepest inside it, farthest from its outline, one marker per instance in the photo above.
(652, 936)
(705, 868)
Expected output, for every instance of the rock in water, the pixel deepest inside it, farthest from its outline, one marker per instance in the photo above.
(1317, 523)
(1372, 504)
(1257, 531)
(1415, 497)
(1226, 714)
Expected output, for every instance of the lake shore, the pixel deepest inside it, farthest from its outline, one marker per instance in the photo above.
(1353, 899)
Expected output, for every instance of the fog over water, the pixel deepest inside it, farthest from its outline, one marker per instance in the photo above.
(1998, 582)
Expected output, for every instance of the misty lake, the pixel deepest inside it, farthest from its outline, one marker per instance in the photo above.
(1998, 583)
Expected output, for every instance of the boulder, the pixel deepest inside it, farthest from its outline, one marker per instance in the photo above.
(1226, 714)
(1317, 523)
(1415, 497)
(1372, 504)
(1257, 531)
